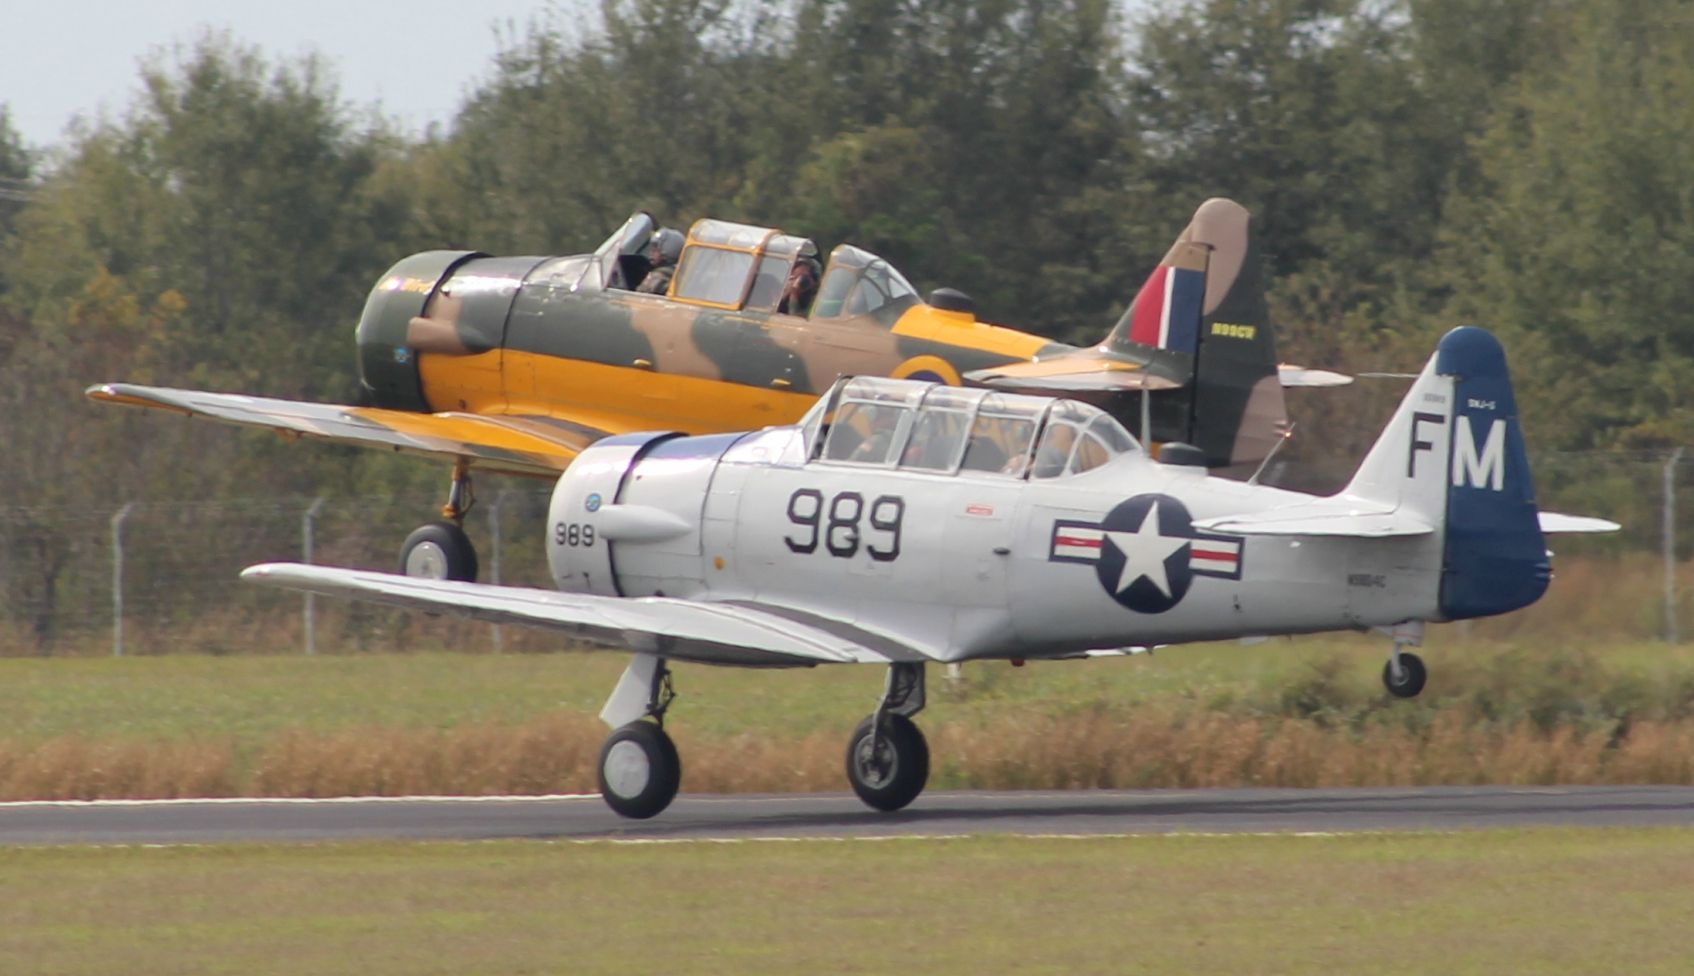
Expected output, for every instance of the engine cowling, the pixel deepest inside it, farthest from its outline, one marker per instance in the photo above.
(453, 303)
(388, 368)
(626, 516)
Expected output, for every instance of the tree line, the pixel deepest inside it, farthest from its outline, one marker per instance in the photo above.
(1527, 165)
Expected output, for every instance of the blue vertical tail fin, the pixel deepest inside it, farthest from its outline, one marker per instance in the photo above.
(1454, 456)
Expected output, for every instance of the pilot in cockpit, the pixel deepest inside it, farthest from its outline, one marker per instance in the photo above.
(663, 251)
(801, 287)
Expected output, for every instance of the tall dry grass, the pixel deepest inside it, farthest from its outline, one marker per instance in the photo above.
(73, 768)
(1160, 746)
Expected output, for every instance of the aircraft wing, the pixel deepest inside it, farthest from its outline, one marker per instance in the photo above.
(515, 445)
(744, 634)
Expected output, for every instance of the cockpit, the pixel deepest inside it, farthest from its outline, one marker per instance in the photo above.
(917, 426)
(741, 267)
(860, 283)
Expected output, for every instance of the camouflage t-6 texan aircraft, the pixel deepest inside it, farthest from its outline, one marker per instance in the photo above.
(516, 364)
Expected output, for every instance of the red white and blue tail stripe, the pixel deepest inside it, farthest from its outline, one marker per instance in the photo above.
(1167, 310)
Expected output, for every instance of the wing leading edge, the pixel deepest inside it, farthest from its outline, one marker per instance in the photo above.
(686, 630)
(514, 445)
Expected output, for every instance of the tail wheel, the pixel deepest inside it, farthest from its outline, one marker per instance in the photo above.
(1411, 678)
(439, 550)
(639, 770)
(887, 770)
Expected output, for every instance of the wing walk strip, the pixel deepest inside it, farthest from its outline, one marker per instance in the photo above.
(870, 646)
(751, 614)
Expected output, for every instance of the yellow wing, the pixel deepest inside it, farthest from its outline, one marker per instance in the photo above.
(510, 444)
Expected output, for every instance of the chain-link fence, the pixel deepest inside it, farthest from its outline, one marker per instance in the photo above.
(159, 576)
(152, 577)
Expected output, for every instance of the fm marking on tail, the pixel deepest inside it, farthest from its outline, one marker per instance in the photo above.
(1471, 469)
(1418, 444)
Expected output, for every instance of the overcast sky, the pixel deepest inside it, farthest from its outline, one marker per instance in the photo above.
(418, 58)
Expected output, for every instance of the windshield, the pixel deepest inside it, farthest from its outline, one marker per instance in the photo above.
(928, 427)
(858, 283)
(1078, 438)
(628, 239)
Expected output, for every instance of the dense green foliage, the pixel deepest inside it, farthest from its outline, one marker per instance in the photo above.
(1523, 164)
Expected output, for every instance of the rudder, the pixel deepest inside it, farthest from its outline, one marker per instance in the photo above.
(1496, 557)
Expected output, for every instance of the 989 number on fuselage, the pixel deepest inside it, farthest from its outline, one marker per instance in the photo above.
(835, 526)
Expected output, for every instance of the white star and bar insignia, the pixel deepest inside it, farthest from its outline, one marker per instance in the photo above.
(1146, 551)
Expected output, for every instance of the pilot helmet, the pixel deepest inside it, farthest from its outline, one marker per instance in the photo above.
(668, 244)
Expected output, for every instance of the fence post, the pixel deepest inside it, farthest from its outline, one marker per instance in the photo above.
(1671, 635)
(306, 526)
(494, 554)
(118, 578)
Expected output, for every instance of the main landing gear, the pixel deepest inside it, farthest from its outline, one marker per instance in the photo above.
(1404, 674)
(639, 771)
(441, 550)
(887, 757)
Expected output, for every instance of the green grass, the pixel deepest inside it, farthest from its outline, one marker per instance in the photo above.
(1542, 901)
(249, 699)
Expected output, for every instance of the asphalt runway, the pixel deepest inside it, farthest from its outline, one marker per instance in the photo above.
(941, 813)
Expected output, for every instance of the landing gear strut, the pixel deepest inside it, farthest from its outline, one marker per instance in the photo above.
(441, 550)
(639, 770)
(1404, 674)
(887, 757)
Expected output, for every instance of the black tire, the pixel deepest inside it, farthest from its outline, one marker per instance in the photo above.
(439, 550)
(896, 774)
(1413, 675)
(639, 770)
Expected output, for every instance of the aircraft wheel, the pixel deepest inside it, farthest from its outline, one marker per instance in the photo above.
(1412, 676)
(439, 550)
(639, 770)
(890, 773)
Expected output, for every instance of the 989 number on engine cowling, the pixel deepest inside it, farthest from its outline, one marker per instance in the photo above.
(573, 534)
(836, 526)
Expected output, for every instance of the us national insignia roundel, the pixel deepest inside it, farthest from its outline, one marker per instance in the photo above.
(1146, 552)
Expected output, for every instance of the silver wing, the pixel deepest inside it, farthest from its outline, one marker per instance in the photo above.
(739, 633)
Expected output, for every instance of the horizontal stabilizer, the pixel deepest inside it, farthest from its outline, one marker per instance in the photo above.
(1556, 523)
(1082, 372)
(1301, 376)
(687, 630)
(1331, 517)
(510, 444)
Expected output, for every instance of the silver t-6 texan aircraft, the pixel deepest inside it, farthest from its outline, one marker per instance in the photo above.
(903, 522)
